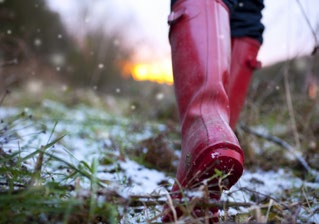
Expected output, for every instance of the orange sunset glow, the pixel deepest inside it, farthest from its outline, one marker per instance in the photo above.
(160, 72)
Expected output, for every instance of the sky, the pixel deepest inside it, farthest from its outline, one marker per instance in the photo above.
(143, 22)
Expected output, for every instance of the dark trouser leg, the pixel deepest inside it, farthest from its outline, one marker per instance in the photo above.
(246, 19)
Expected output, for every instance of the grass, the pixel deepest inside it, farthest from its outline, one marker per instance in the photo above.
(64, 156)
(42, 179)
(43, 194)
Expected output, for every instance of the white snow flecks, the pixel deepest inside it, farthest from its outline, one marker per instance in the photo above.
(215, 155)
(90, 134)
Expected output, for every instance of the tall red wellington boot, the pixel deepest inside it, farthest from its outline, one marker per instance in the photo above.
(200, 44)
(243, 63)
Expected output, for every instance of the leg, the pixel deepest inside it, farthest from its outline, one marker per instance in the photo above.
(246, 31)
(200, 43)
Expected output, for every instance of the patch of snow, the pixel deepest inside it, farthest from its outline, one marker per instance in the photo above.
(145, 181)
(129, 177)
(264, 183)
(8, 111)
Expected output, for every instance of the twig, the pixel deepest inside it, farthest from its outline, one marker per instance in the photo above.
(37, 168)
(4, 96)
(7, 63)
(161, 199)
(265, 196)
(15, 185)
(283, 144)
(313, 32)
(290, 106)
(137, 202)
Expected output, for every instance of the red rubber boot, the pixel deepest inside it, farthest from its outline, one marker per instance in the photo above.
(200, 44)
(243, 63)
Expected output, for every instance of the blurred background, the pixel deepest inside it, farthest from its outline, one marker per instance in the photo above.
(106, 45)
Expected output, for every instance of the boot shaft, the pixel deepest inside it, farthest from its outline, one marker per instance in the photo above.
(243, 64)
(200, 43)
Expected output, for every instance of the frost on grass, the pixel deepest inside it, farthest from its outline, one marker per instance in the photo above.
(89, 135)
(95, 145)
(273, 188)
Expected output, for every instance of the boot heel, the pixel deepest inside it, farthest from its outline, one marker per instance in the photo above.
(224, 159)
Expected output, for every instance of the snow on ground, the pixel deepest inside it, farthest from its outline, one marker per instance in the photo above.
(90, 134)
